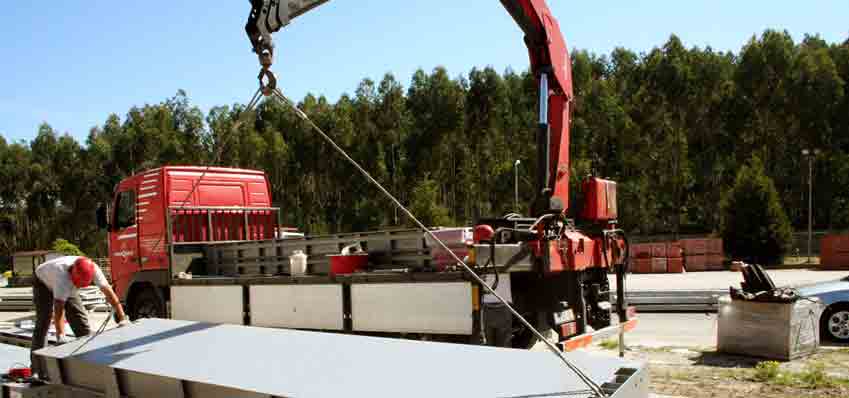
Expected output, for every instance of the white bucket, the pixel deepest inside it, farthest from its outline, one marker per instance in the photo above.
(298, 263)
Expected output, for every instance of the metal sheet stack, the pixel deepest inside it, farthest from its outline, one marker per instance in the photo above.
(19, 299)
(675, 300)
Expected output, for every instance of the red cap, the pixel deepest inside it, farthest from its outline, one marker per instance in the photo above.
(82, 272)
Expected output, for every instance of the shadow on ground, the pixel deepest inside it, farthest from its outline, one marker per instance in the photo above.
(720, 360)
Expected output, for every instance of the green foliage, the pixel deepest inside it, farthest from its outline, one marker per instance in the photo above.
(767, 370)
(425, 204)
(673, 126)
(66, 248)
(814, 375)
(754, 225)
(610, 344)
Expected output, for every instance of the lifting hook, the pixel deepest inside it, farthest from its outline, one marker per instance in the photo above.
(267, 81)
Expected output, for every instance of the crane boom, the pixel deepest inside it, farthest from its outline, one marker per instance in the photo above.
(549, 63)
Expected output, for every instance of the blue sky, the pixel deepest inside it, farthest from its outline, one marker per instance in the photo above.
(72, 63)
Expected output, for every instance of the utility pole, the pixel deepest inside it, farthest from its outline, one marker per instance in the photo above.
(810, 154)
(516, 185)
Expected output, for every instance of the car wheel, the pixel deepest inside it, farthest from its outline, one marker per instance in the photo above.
(835, 323)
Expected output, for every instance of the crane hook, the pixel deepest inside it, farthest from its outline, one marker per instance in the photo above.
(267, 81)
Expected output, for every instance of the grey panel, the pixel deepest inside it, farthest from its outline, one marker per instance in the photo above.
(291, 363)
(11, 356)
(143, 385)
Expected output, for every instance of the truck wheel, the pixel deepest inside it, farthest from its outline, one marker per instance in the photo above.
(147, 304)
(834, 323)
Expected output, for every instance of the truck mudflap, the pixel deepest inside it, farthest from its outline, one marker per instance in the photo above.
(170, 358)
(587, 339)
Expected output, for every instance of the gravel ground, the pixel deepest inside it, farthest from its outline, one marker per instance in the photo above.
(704, 373)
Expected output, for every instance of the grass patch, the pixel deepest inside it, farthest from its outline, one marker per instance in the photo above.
(767, 370)
(813, 376)
(610, 344)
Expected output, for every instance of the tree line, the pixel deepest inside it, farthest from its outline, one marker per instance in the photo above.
(672, 126)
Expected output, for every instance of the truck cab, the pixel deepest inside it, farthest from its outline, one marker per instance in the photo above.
(154, 211)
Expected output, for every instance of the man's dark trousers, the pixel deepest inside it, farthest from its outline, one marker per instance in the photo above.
(75, 313)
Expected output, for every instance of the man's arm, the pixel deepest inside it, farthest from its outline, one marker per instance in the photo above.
(59, 317)
(112, 298)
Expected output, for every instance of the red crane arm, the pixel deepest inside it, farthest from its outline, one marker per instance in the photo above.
(551, 65)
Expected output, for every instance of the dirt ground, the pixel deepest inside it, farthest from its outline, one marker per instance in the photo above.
(704, 373)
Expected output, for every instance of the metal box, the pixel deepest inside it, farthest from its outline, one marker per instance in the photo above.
(599, 200)
(297, 306)
(782, 331)
(439, 307)
(215, 304)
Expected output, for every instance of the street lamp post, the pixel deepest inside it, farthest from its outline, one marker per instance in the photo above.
(516, 185)
(810, 154)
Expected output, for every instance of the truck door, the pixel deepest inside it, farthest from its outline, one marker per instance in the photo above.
(123, 239)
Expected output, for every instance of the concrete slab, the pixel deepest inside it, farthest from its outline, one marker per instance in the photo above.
(13, 356)
(311, 364)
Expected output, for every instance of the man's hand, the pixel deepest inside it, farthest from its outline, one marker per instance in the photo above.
(112, 299)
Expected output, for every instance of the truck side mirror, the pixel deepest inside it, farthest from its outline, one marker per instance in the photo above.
(102, 220)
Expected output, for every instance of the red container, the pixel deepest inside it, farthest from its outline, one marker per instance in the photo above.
(673, 250)
(675, 265)
(347, 264)
(695, 263)
(841, 244)
(658, 250)
(834, 261)
(641, 265)
(599, 200)
(658, 265)
(835, 243)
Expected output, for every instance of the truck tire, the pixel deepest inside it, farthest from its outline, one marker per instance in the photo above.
(147, 304)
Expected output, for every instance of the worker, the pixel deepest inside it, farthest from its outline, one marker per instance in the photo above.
(55, 291)
(497, 319)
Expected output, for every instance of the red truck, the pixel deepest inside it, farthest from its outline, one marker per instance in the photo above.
(218, 226)
(204, 244)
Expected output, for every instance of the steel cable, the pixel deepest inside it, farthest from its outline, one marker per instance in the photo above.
(574, 368)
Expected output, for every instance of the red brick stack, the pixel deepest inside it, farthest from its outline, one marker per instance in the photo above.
(715, 255)
(658, 258)
(703, 254)
(834, 252)
(641, 258)
(675, 258)
(695, 254)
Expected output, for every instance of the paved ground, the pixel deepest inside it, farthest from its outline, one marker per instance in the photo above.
(723, 279)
